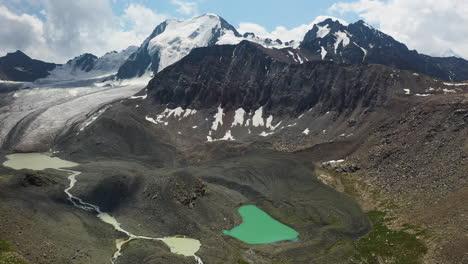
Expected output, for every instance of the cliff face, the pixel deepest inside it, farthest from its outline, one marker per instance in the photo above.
(249, 76)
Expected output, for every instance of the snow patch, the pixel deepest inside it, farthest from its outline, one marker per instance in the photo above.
(142, 97)
(218, 119)
(227, 137)
(306, 132)
(175, 113)
(323, 52)
(265, 134)
(257, 119)
(455, 84)
(341, 37)
(322, 31)
(238, 117)
(334, 162)
(269, 125)
(446, 91)
(94, 117)
(152, 120)
(189, 112)
(363, 50)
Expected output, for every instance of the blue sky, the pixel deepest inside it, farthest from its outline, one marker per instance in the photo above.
(268, 13)
(57, 30)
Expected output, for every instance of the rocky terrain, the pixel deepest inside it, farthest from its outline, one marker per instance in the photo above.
(367, 161)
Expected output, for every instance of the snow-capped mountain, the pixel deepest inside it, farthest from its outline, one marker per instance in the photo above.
(17, 66)
(174, 39)
(90, 66)
(450, 53)
(361, 43)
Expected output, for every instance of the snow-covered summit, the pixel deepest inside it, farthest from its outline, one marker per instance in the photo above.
(181, 36)
(174, 39)
(321, 19)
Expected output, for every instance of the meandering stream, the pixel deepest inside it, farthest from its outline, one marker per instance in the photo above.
(39, 161)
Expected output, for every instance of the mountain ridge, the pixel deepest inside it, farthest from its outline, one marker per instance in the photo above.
(361, 43)
(18, 66)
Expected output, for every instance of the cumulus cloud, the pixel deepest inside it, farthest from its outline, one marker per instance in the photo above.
(429, 26)
(142, 20)
(186, 7)
(297, 33)
(19, 31)
(70, 28)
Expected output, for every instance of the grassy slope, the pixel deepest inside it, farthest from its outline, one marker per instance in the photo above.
(383, 244)
(8, 256)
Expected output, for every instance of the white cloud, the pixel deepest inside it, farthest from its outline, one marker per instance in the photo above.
(19, 31)
(142, 20)
(282, 33)
(71, 28)
(186, 7)
(252, 27)
(429, 26)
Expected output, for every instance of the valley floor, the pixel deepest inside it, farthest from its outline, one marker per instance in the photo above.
(398, 196)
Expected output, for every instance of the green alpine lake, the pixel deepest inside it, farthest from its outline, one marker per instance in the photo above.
(259, 228)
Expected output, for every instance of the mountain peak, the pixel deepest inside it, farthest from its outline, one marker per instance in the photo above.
(328, 19)
(450, 53)
(211, 15)
(18, 54)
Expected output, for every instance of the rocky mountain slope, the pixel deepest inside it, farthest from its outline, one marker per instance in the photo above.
(247, 93)
(250, 76)
(17, 66)
(89, 66)
(360, 43)
(394, 126)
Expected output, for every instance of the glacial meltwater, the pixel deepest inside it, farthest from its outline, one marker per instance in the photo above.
(259, 228)
(40, 161)
(36, 161)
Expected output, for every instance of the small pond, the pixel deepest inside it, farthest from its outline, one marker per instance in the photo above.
(260, 228)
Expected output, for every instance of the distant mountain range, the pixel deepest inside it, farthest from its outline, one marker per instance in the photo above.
(90, 66)
(17, 66)
(330, 40)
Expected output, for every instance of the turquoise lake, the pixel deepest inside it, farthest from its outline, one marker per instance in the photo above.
(260, 228)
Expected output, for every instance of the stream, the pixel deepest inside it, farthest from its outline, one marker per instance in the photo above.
(40, 161)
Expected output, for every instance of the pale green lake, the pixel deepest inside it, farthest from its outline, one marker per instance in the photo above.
(40, 161)
(260, 228)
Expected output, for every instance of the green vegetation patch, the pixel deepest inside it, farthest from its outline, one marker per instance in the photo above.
(383, 245)
(4, 247)
(7, 256)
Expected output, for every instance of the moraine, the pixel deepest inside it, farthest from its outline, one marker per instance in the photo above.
(40, 161)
